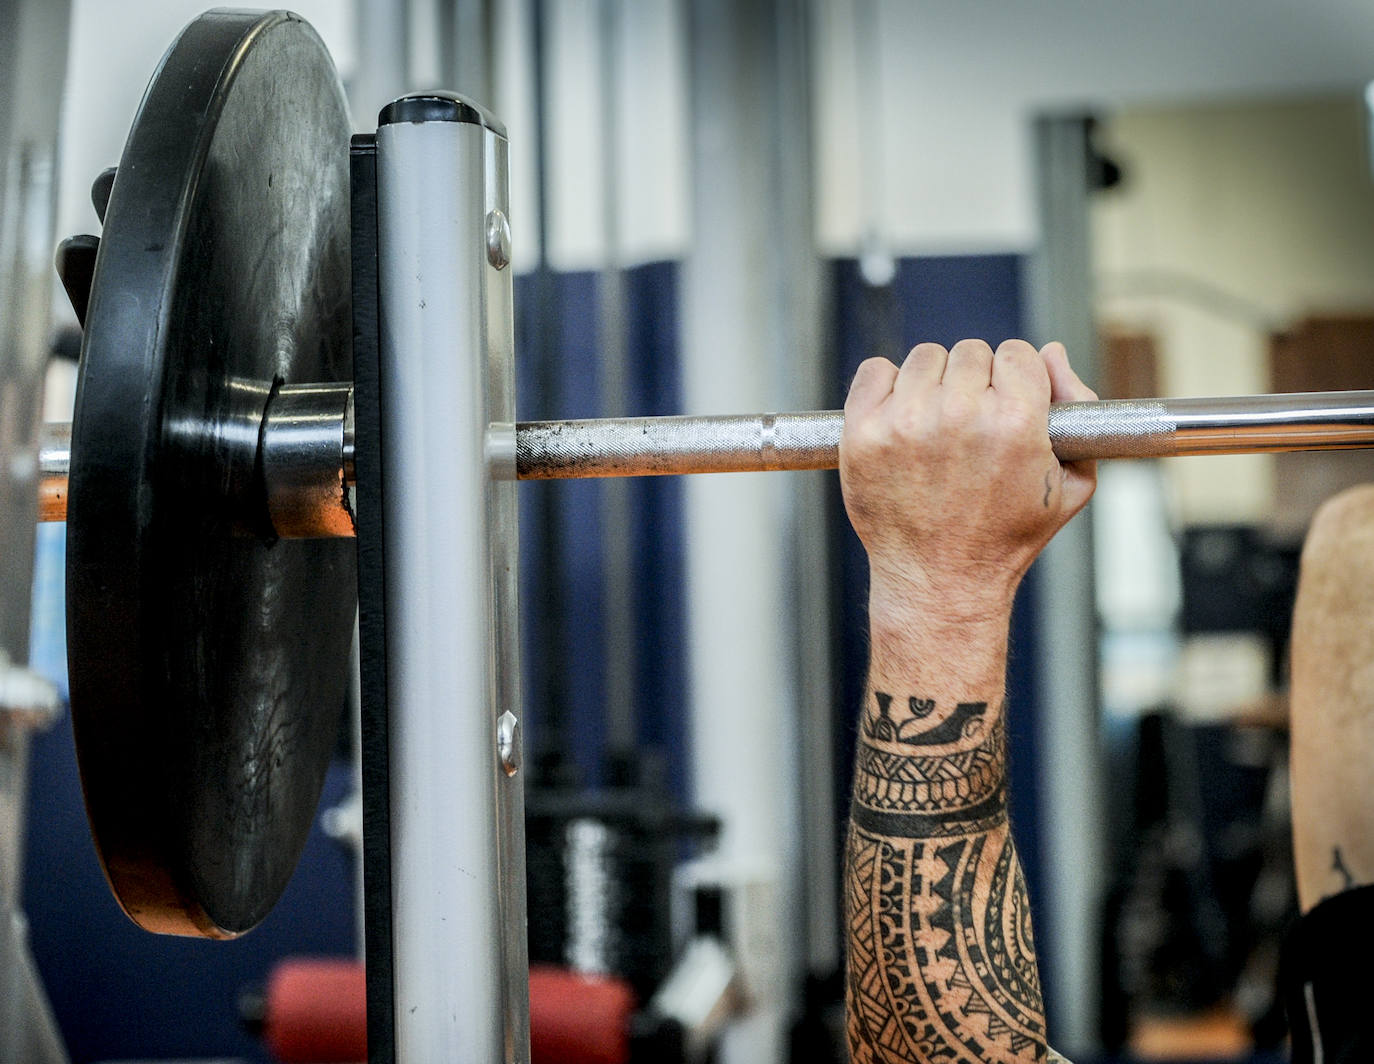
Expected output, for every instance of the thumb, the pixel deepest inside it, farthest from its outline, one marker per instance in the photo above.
(1080, 478)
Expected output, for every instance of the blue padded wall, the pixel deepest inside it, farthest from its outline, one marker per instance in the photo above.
(562, 644)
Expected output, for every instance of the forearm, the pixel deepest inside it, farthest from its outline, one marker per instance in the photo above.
(1332, 728)
(952, 485)
(941, 960)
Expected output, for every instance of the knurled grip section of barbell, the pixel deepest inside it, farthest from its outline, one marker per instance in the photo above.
(1115, 428)
(662, 446)
(1119, 428)
(665, 446)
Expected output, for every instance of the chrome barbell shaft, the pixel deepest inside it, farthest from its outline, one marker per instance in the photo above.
(665, 446)
(1116, 428)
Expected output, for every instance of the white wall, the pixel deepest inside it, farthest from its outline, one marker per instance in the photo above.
(114, 49)
(949, 152)
(1272, 202)
(962, 76)
(940, 160)
(652, 138)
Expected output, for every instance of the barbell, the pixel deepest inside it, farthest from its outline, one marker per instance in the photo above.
(211, 478)
(307, 444)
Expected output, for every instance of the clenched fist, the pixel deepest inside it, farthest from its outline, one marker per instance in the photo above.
(948, 474)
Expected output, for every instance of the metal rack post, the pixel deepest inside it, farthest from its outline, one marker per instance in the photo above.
(445, 360)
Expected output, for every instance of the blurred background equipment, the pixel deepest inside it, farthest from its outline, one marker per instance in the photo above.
(33, 56)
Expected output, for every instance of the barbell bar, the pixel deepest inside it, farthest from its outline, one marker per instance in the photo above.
(307, 443)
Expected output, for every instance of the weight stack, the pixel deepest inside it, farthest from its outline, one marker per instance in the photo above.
(600, 871)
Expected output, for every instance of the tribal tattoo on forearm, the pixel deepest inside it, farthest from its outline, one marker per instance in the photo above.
(941, 956)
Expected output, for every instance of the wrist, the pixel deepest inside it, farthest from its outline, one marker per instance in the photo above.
(949, 651)
(965, 602)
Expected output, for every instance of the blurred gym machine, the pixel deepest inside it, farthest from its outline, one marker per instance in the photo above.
(33, 59)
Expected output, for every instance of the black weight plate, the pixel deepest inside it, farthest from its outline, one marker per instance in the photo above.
(207, 661)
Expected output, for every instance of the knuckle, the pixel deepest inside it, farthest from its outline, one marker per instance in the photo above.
(926, 352)
(863, 441)
(1017, 349)
(1026, 376)
(873, 368)
(972, 347)
(1023, 421)
(958, 411)
(914, 429)
(864, 390)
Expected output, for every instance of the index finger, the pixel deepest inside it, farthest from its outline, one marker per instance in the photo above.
(872, 384)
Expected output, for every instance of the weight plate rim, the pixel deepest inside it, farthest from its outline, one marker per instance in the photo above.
(109, 565)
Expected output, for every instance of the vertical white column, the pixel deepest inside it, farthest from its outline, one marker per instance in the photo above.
(452, 685)
(1060, 300)
(750, 318)
(382, 66)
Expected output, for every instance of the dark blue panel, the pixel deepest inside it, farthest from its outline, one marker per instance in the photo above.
(563, 543)
(580, 532)
(658, 540)
(119, 992)
(949, 298)
(535, 299)
(560, 587)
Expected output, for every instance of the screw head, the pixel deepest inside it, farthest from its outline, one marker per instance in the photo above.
(508, 742)
(498, 239)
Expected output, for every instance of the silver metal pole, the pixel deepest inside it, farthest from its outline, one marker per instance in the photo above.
(457, 874)
(1059, 296)
(382, 66)
(467, 47)
(745, 334)
(616, 559)
(799, 309)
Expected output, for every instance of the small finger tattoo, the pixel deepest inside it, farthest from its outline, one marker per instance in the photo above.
(1338, 866)
(1049, 487)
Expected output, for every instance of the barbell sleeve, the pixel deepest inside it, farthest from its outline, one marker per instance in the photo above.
(741, 443)
(54, 461)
